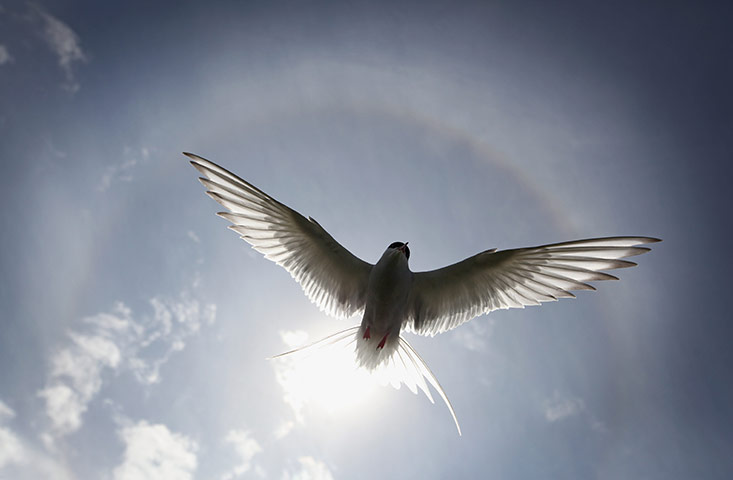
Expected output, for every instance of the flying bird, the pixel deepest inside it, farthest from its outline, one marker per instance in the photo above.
(389, 296)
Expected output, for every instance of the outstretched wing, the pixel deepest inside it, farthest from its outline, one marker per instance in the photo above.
(445, 298)
(331, 276)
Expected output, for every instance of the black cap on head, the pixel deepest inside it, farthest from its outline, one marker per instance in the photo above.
(401, 245)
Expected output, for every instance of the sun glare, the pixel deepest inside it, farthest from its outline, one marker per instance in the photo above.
(326, 378)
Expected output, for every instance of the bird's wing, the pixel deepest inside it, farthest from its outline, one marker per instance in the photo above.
(445, 298)
(331, 276)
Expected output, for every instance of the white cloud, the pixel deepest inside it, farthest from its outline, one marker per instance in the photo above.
(11, 449)
(174, 320)
(5, 56)
(153, 451)
(284, 429)
(75, 375)
(560, 407)
(246, 447)
(6, 413)
(64, 406)
(310, 469)
(113, 342)
(83, 361)
(65, 43)
(20, 461)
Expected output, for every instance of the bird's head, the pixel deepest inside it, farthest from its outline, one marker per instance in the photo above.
(402, 247)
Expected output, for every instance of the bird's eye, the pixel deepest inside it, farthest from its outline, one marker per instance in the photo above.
(396, 245)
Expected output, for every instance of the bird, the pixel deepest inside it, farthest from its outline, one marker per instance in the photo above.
(393, 299)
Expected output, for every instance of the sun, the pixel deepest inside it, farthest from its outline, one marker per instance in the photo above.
(326, 378)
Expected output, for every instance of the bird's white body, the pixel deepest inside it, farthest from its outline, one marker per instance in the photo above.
(386, 308)
(394, 299)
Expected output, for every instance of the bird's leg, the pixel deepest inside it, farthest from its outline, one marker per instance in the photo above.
(367, 336)
(381, 344)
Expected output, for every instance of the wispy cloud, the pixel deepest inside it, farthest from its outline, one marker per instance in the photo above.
(11, 448)
(284, 429)
(76, 377)
(153, 451)
(174, 320)
(559, 407)
(246, 448)
(65, 407)
(474, 335)
(122, 171)
(6, 412)
(115, 341)
(310, 469)
(19, 460)
(5, 56)
(64, 42)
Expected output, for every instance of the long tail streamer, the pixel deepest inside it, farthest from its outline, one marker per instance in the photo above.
(400, 365)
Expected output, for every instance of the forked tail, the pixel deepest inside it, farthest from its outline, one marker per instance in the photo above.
(398, 365)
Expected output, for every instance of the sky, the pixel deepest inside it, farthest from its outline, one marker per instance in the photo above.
(135, 328)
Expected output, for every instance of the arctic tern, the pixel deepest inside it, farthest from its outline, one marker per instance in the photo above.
(389, 296)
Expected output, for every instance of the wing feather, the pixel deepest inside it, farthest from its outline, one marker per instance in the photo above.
(330, 275)
(445, 298)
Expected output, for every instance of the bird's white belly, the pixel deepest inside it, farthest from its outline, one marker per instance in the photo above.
(386, 302)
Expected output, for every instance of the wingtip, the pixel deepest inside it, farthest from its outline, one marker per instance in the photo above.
(651, 240)
(195, 159)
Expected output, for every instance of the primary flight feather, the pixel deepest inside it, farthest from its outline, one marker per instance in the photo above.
(388, 295)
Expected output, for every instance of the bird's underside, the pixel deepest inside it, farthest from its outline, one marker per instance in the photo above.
(391, 298)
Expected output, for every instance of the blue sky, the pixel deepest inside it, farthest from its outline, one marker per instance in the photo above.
(135, 327)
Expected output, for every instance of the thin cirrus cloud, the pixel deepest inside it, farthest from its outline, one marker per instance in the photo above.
(63, 42)
(58, 37)
(112, 342)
